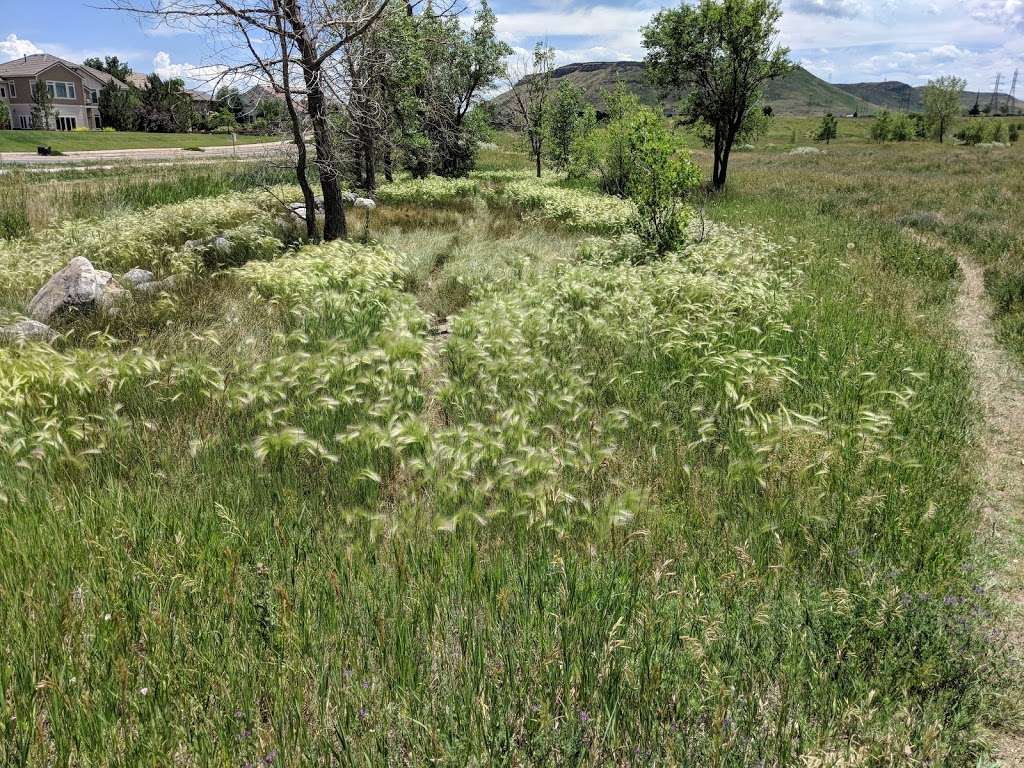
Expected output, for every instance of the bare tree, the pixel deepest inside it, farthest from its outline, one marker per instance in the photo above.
(292, 45)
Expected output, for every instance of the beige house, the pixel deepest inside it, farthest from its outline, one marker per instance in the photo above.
(75, 90)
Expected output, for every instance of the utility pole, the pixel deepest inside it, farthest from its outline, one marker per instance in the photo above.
(993, 105)
(1012, 97)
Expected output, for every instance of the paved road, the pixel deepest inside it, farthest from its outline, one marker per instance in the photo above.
(268, 149)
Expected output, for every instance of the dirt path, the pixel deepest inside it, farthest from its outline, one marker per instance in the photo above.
(999, 388)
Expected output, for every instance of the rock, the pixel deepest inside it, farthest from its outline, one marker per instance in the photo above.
(27, 330)
(133, 278)
(440, 326)
(298, 210)
(157, 287)
(221, 246)
(349, 197)
(79, 287)
(805, 151)
(364, 202)
(111, 297)
(319, 203)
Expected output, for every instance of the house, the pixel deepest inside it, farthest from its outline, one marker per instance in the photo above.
(202, 102)
(75, 90)
(255, 98)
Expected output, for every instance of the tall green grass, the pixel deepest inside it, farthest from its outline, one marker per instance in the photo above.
(709, 511)
(31, 201)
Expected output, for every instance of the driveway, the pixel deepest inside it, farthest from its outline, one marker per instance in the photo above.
(269, 149)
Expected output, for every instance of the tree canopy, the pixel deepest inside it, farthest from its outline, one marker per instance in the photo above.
(723, 53)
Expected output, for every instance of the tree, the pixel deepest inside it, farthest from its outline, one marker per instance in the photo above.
(459, 66)
(722, 52)
(42, 106)
(942, 104)
(5, 115)
(828, 129)
(571, 119)
(292, 46)
(119, 106)
(112, 65)
(881, 128)
(530, 85)
(228, 99)
(165, 106)
(611, 145)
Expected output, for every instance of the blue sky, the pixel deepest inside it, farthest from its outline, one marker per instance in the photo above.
(839, 40)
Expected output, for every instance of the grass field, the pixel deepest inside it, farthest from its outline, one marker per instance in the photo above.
(32, 201)
(91, 141)
(712, 511)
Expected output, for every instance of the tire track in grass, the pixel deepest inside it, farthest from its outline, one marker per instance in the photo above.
(999, 390)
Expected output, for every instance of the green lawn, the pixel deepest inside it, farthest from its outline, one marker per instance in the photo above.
(83, 141)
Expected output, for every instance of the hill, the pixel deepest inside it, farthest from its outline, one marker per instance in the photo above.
(799, 94)
(892, 94)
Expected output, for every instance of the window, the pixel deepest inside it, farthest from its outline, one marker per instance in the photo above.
(14, 91)
(66, 124)
(60, 90)
(94, 96)
(3, 92)
(25, 124)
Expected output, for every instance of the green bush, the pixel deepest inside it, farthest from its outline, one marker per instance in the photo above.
(662, 176)
(892, 127)
(982, 131)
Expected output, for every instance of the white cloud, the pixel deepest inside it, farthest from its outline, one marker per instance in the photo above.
(839, 9)
(1004, 13)
(12, 47)
(596, 20)
(192, 73)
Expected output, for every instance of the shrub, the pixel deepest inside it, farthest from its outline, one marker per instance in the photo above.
(661, 179)
(610, 147)
(892, 127)
(881, 128)
(828, 130)
(903, 128)
(981, 131)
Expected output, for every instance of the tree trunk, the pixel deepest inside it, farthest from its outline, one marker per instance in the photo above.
(537, 154)
(389, 169)
(717, 172)
(300, 142)
(369, 163)
(326, 159)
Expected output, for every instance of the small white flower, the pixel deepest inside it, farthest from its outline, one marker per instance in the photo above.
(144, 691)
(106, 617)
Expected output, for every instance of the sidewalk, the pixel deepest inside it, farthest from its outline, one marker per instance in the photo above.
(267, 149)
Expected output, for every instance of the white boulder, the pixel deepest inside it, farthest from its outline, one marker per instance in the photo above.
(133, 278)
(156, 287)
(79, 286)
(26, 330)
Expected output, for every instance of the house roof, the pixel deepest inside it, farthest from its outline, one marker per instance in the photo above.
(139, 80)
(37, 63)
